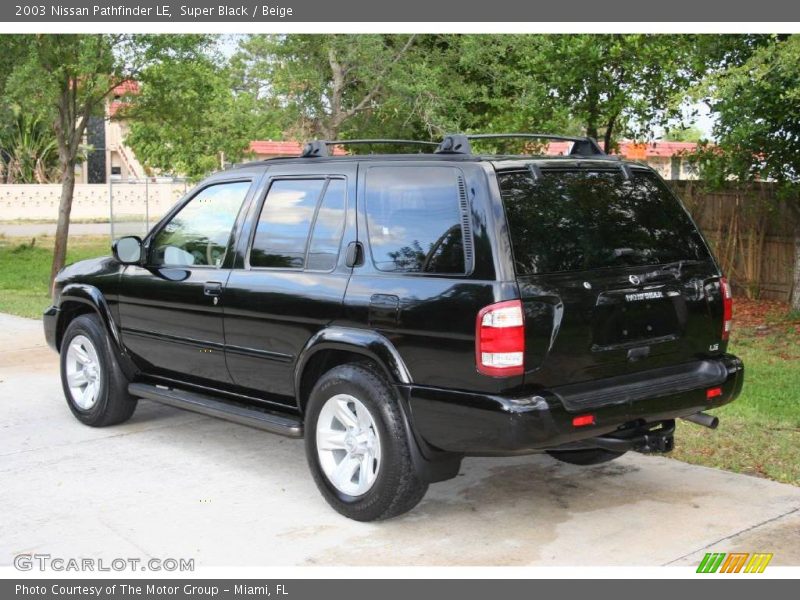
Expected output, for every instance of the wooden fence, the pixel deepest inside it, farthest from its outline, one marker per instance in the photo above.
(751, 231)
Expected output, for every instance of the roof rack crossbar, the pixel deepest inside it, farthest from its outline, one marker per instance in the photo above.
(458, 143)
(319, 148)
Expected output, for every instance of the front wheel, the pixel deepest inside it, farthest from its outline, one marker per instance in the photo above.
(94, 384)
(357, 445)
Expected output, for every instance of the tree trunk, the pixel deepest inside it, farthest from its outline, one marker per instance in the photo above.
(591, 129)
(795, 295)
(609, 134)
(64, 210)
(592, 110)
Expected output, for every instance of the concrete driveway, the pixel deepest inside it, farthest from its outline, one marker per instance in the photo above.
(174, 484)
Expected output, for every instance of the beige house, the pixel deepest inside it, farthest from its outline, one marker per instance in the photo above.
(111, 159)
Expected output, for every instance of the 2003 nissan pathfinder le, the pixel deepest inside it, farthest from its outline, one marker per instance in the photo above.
(401, 311)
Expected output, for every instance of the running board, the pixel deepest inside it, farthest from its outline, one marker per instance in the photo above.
(213, 407)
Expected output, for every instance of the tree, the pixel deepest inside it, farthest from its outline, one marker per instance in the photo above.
(68, 78)
(321, 84)
(187, 116)
(603, 86)
(757, 106)
(29, 152)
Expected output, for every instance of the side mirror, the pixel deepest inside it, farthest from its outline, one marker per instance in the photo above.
(128, 250)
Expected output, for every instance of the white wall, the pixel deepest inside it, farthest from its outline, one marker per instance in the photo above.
(91, 201)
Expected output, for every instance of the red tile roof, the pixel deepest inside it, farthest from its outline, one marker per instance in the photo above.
(114, 106)
(282, 148)
(631, 150)
(658, 148)
(126, 87)
(635, 150)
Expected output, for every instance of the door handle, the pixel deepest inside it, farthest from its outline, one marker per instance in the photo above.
(212, 288)
(354, 255)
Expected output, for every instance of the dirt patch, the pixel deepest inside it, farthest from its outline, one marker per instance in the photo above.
(33, 358)
(761, 314)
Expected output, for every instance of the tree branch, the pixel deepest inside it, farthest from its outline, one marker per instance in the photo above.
(378, 81)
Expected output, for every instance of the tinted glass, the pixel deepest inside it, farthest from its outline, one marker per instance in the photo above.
(199, 233)
(571, 220)
(414, 220)
(323, 250)
(284, 223)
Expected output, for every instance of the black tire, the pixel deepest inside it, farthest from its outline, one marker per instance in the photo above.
(397, 487)
(590, 456)
(113, 404)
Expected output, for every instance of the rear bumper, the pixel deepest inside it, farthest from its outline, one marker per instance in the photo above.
(479, 424)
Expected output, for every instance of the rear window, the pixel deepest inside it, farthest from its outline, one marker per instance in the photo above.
(582, 220)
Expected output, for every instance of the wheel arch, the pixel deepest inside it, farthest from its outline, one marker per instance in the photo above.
(79, 299)
(334, 346)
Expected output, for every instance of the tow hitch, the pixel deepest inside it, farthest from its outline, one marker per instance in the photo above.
(652, 438)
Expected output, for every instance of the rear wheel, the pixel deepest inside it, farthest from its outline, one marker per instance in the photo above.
(94, 385)
(357, 445)
(590, 456)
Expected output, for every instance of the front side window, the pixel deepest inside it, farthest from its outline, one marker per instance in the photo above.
(414, 218)
(199, 233)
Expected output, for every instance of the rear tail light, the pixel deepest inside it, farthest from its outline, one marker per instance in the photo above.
(712, 393)
(500, 339)
(727, 307)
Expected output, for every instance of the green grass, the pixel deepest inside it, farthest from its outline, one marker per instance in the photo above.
(759, 433)
(25, 270)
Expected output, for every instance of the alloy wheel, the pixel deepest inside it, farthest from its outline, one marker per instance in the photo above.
(348, 444)
(83, 372)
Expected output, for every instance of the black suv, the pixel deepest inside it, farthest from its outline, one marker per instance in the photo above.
(401, 311)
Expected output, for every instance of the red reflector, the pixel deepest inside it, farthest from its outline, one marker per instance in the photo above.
(583, 421)
(713, 393)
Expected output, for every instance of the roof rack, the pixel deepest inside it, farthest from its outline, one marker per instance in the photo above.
(459, 143)
(319, 148)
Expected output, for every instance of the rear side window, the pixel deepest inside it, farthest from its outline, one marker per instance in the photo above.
(416, 219)
(582, 220)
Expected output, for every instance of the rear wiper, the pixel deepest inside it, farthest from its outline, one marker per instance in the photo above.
(672, 269)
(628, 256)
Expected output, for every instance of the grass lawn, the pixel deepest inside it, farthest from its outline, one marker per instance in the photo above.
(759, 434)
(25, 270)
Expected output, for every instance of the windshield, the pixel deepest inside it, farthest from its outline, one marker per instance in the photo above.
(582, 220)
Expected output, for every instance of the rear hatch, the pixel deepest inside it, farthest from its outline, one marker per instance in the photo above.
(614, 276)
